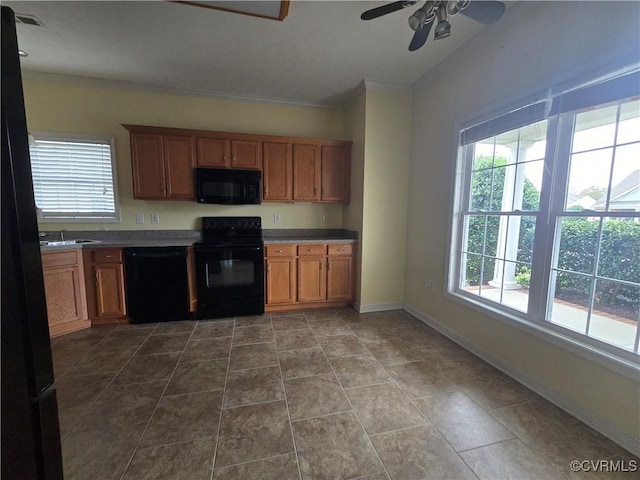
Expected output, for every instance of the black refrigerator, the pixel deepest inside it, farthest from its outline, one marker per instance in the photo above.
(30, 430)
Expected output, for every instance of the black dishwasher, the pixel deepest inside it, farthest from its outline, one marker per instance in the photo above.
(157, 284)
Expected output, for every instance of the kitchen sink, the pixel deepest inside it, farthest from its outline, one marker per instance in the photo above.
(58, 243)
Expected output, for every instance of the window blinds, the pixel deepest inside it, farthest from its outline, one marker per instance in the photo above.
(591, 95)
(73, 179)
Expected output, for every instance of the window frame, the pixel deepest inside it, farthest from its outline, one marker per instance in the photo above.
(79, 138)
(534, 320)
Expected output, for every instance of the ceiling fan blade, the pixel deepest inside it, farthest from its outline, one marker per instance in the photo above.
(420, 37)
(385, 9)
(485, 12)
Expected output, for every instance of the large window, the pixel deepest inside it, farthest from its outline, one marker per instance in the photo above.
(547, 222)
(73, 178)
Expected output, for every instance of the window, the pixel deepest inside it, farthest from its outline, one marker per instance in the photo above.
(547, 216)
(73, 178)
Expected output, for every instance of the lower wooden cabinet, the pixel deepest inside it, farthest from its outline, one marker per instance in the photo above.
(308, 276)
(65, 291)
(104, 278)
(281, 273)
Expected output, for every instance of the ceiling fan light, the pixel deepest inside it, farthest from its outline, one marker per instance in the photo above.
(443, 30)
(418, 19)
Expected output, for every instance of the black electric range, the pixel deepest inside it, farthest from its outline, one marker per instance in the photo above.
(230, 267)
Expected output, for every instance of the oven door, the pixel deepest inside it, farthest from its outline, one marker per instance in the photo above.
(228, 275)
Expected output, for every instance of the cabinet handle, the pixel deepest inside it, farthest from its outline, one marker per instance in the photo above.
(97, 275)
(279, 251)
(265, 190)
(321, 265)
(267, 267)
(328, 264)
(315, 191)
(109, 256)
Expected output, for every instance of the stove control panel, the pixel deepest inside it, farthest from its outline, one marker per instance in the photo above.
(227, 224)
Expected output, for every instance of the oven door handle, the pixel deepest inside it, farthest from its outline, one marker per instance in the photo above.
(235, 249)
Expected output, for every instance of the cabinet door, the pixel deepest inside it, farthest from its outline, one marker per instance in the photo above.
(340, 278)
(147, 161)
(312, 279)
(276, 171)
(306, 173)
(65, 298)
(335, 174)
(281, 280)
(246, 154)
(110, 300)
(179, 162)
(213, 152)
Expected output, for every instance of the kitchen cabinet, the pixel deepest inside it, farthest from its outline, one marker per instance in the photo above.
(340, 277)
(306, 173)
(246, 154)
(65, 293)
(276, 172)
(162, 166)
(104, 279)
(321, 173)
(213, 152)
(293, 169)
(280, 271)
(335, 176)
(312, 277)
(308, 276)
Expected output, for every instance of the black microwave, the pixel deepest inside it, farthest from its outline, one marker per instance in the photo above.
(228, 187)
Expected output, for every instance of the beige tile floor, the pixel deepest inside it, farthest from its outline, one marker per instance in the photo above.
(323, 394)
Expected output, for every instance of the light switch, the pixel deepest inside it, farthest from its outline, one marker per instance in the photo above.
(139, 218)
(155, 218)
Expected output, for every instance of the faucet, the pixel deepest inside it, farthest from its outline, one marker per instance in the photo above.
(62, 235)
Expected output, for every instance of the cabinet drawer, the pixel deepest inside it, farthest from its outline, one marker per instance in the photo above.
(310, 250)
(343, 249)
(60, 259)
(280, 250)
(107, 255)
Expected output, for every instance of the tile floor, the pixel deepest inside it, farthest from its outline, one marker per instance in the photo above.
(328, 394)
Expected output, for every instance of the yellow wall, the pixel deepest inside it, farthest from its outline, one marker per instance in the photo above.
(354, 126)
(384, 213)
(378, 121)
(55, 105)
(530, 49)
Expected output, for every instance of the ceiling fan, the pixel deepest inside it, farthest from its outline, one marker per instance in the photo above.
(437, 12)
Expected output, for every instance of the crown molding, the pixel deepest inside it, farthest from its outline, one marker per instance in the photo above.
(125, 85)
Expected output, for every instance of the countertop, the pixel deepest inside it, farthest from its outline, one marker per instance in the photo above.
(186, 238)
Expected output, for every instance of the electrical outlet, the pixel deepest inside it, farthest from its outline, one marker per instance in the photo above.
(155, 218)
(276, 218)
(139, 218)
(325, 217)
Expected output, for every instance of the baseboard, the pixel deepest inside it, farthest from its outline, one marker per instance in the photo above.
(595, 421)
(379, 307)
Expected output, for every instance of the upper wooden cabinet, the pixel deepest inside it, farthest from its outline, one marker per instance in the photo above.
(276, 172)
(227, 152)
(213, 152)
(294, 169)
(162, 166)
(306, 173)
(246, 154)
(335, 174)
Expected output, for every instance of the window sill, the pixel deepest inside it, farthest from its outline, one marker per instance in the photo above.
(625, 365)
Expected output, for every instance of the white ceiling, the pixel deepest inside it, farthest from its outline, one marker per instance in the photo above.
(318, 55)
